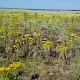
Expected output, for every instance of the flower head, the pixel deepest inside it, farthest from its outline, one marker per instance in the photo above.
(27, 35)
(73, 35)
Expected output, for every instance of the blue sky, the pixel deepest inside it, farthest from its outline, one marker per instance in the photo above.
(41, 4)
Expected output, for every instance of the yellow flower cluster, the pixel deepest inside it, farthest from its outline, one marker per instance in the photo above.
(69, 29)
(27, 35)
(3, 69)
(46, 44)
(12, 66)
(17, 40)
(71, 26)
(15, 65)
(61, 48)
(73, 35)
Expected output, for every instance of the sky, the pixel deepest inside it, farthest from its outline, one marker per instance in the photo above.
(41, 4)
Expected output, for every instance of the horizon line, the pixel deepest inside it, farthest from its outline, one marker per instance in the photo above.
(39, 9)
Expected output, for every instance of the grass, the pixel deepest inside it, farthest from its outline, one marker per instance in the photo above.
(45, 43)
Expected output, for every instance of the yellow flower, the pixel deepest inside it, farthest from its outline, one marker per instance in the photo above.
(71, 26)
(70, 41)
(2, 37)
(17, 40)
(73, 35)
(15, 65)
(27, 35)
(7, 69)
(9, 33)
(46, 44)
(61, 48)
(17, 31)
(16, 46)
(2, 69)
(22, 39)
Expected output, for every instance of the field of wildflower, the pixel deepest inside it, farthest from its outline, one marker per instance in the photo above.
(39, 45)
